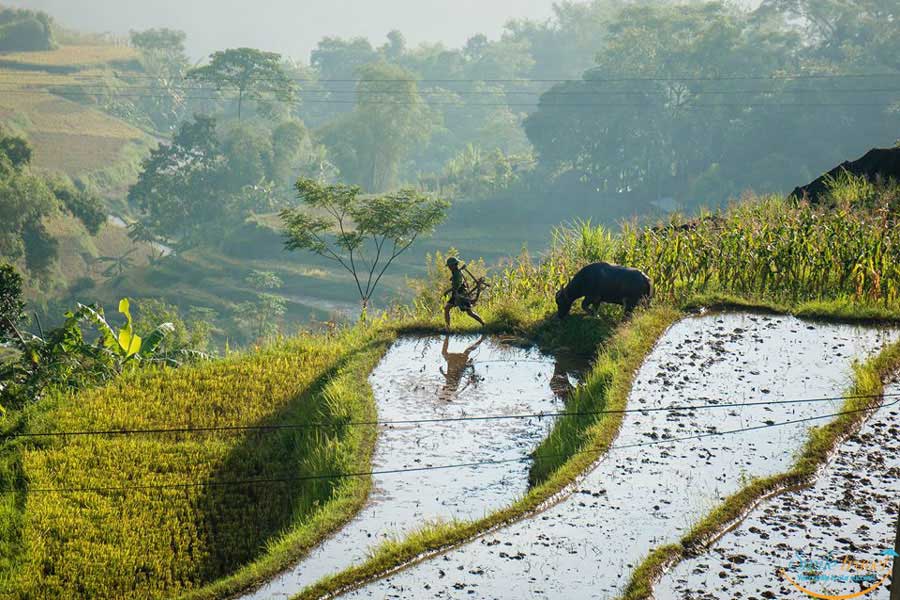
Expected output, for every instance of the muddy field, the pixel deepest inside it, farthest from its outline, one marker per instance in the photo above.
(850, 511)
(438, 377)
(640, 497)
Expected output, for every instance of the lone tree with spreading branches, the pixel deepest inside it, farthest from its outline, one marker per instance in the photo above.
(249, 71)
(364, 234)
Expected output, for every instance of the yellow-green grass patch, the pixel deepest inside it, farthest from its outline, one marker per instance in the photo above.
(152, 543)
(72, 56)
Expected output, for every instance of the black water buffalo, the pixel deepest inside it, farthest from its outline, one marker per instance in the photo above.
(603, 282)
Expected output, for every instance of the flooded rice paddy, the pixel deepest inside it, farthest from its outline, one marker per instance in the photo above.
(637, 498)
(443, 377)
(851, 510)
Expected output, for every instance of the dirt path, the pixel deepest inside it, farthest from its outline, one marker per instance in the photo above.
(421, 378)
(850, 511)
(636, 499)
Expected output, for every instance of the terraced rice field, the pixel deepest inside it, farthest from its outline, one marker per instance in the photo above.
(850, 511)
(668, 468)
(436, 378)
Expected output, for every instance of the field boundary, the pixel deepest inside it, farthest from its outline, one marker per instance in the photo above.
(819, 449)
(301, 539)
(608, 384)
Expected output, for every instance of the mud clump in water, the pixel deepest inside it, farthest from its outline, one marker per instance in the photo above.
(638, 498)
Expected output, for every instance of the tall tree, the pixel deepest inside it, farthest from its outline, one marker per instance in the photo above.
(364, 235)
(182, 187)
(252, 73)
(390, 120)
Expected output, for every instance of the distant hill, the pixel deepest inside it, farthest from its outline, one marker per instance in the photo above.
(77, 139)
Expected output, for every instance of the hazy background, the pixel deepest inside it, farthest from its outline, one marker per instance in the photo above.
(293, 27)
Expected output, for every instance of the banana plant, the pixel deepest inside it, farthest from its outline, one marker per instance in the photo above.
(125, 343)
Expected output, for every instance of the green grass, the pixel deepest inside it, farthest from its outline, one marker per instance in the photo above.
(821, 443)
(209, 543)
(573, 445)
(153, 543)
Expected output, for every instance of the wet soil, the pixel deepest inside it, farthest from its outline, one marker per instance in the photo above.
(851, 510)
(636, 499)
(438, 377)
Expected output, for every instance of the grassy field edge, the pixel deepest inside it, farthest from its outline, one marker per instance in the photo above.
(298, 541)
(606, 387)
(821, 444)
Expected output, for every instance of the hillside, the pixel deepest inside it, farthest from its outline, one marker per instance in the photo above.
(78, 139)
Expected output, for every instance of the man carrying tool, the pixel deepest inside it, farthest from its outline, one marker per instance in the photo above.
(460, 296)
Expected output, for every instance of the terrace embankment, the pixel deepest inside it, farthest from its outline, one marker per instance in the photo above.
(433, 378)
(667, 468)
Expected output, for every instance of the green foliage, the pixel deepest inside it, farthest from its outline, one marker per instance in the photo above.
(12, 306)
(259, 319)
(27, 199)
(389, 121)
(188, 336)
(80, 202)
(16, 149)
(181, 184)
(364, 235)
(63, 358)
(164, 63)
(657, 118)
(203, 532)
(248, 71)
(25, 30)
(474, 174)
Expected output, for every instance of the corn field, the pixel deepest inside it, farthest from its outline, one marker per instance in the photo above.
(767, 248)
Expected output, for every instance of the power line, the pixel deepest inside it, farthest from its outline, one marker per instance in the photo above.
(526, 80)
(101, 88)
(431, 420)
(475, 464)
(499, 104)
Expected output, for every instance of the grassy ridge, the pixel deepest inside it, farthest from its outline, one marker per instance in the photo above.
(152, 543)
(821, 443)
(751, 256)
(606, 387)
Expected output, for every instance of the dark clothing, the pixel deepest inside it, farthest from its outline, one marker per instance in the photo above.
(459, 294)
(603, 282)
(457, 282)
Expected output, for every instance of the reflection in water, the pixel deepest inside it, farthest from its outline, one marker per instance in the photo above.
(458, 364)
(415, 380)
(639, 498)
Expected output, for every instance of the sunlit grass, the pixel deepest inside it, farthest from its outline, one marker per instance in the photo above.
(76, 56)
(153, 543)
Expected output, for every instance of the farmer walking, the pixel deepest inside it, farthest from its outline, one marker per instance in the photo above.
(460, 296)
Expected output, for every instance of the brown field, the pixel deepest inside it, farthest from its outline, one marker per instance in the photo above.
(67, 136)
(72, 56)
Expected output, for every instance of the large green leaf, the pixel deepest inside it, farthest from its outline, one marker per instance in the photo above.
(107, 335)
(129, 342)
(152, 341)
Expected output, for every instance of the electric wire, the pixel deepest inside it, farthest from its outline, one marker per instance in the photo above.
(431, 420)
(474, 464)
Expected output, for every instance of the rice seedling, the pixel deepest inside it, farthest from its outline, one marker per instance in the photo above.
(125, 539)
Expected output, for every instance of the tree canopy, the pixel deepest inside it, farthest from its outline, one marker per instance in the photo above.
(250, 72)
(363, 234)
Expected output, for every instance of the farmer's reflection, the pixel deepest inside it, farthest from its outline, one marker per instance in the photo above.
(458, 364)
(560, 384)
